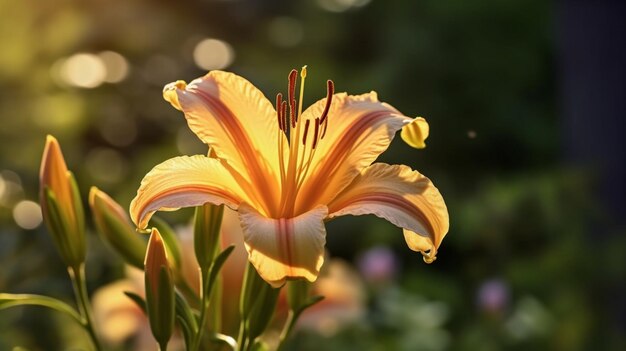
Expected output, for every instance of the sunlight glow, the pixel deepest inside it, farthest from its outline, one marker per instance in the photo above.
(213, 54)
(27, 214)
(115, 65)
(83, 70)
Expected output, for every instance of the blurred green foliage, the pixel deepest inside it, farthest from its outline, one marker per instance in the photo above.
(481, 72)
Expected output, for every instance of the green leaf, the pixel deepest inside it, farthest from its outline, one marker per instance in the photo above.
(137, 300)
(184, 312)
(187, 333)
(14, 300)
(216, 267)
(224, 339)
(312, 301)
(260, 346)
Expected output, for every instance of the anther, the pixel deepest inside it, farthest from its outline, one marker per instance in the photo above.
(283, 116)
(293, 75)
(330, 90)
(306, 131)
(315, 134)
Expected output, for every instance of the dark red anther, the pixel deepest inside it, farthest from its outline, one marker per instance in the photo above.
(317, 129)
(293, 75)
(330, 90)
(306, 131)
(283, 116)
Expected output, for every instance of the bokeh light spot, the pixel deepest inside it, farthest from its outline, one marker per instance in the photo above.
(27, 214)
(341, 5)
(116, 66)
(213, 54)
(83, 70)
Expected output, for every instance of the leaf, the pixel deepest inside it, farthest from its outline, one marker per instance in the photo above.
(260, 346)
(217, 266)
(138, 300)
(185, 317)
(225, 339)
(311, 302)
(187, 334)
(14, 300)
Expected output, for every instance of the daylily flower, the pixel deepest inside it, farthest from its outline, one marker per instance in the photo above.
(288, 173)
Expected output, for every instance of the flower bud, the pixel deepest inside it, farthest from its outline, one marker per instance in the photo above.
(61, 205)
(159, 290)
(207, 225)
(115, 228)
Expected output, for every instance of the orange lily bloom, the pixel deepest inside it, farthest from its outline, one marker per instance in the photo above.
(286, 173)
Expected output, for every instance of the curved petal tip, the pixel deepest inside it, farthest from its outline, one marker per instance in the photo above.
(415, 133)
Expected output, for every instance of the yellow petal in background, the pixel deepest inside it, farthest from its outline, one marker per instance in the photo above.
(415, 133)
(285, 248)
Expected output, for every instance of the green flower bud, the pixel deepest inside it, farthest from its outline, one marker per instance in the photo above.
(115, 228)
(159, 290)
(61, 205)
(207, 224)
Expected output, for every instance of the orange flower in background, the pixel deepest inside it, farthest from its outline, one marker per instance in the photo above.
(286, 173)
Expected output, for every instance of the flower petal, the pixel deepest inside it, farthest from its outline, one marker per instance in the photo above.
(415, 133)
(233, 117)
(359, 129)
(285, 248)
(403, 197)
(183, 182)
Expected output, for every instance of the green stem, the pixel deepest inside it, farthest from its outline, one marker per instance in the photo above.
(241, 339)
(292, 318)
(77, 275)
(163, 346)
(203, 319)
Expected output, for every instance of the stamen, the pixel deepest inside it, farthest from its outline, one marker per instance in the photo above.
(279, 103)
(302, 78)
(293, 75)
(292, 109)
(330, 90)
(324, 128)
(306, 131)
(283, 116)
(317, 129)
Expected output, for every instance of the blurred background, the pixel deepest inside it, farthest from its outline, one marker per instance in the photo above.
(526, 101)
